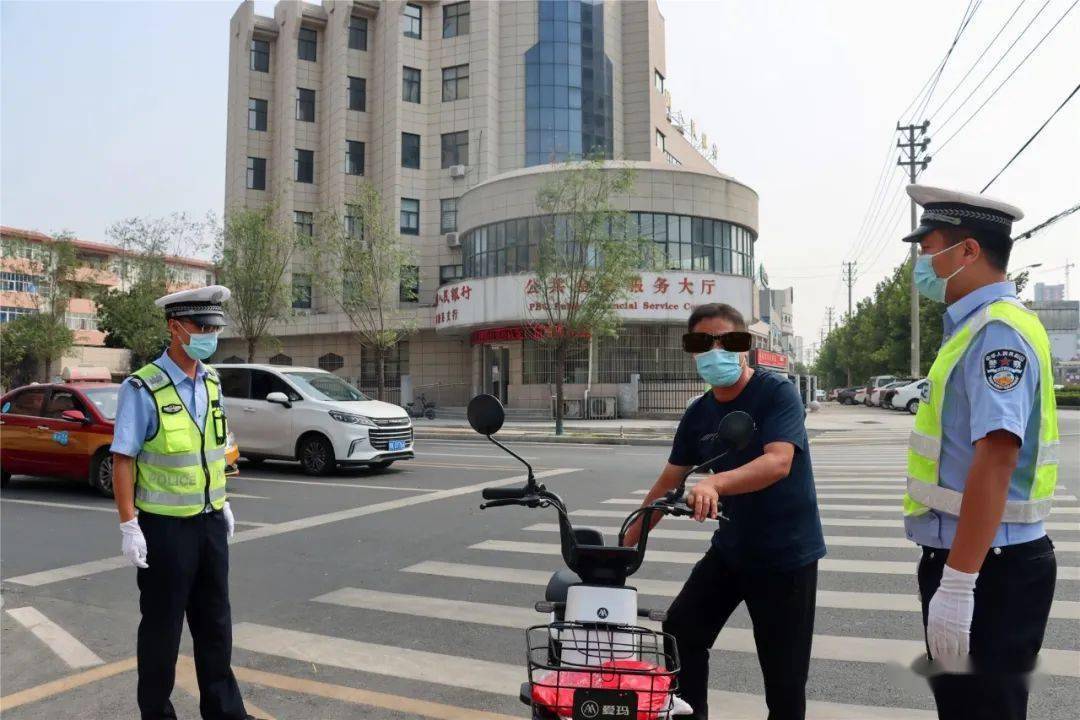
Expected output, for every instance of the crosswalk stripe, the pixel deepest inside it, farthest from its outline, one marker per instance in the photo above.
(486, 676)
(66, 646)
(872, 567)
(1065, 609)
(824, 647)
(868, 541)
(831, 521)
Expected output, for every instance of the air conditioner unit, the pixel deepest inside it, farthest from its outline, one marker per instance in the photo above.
(452, 240)
(457, 171)
(602, 408)
(573, 408)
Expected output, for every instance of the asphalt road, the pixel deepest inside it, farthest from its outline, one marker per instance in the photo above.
(390, 595)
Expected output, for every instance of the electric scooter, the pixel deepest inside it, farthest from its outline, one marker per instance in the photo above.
(592, 660)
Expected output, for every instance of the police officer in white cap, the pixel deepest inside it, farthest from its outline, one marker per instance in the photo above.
(169, 462)
(982, 463)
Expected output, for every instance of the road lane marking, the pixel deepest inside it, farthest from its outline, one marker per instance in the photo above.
(486, 676)
(879, 567)
(320, 483)
(1065, 609)
(46, 577)
(64, 506)
(824, 647)
(65, 645)
(245, 496)
(64, 684)
(426, 453)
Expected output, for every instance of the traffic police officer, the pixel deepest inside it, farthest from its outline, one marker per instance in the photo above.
(982, 463)
(169, 462)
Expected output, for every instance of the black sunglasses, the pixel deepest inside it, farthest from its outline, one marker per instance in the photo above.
(699, 342)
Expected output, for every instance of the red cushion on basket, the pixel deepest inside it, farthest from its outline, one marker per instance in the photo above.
(555, 690)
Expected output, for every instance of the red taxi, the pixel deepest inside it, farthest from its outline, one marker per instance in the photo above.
(64, 430)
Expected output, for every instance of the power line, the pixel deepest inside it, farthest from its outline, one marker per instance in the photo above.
(1007, 78)
(978, 60)
(936, 72)
(948, 53)
(1047, 223)
(1030, 139)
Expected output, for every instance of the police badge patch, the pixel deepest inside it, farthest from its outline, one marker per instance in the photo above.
(172, 409)
(1004, 368)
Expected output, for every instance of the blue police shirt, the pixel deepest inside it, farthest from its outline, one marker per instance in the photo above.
(136, 414)
(776, 528)
(974, 406)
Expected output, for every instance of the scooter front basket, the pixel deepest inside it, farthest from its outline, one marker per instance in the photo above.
(607, 672)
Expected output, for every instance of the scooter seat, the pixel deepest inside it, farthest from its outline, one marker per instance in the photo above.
(559, 584)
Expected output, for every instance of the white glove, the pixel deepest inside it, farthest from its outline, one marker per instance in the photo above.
(948, 623)
(134, 544)
(230, 521)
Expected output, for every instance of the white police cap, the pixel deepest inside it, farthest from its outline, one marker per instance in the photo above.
(204, 305)
(944, 208)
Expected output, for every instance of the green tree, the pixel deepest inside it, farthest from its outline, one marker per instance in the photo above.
(130, 320)
(253, 259)
(365, 271)
(588, 256)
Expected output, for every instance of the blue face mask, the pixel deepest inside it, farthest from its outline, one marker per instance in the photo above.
(927, 281)
(200, 346)
(719, 368)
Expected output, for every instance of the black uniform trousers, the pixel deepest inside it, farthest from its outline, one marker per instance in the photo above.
(1013, 595)
(781, 606)
(188, 575)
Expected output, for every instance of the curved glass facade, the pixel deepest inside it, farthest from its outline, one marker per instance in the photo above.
(683, 242)
(568, 79)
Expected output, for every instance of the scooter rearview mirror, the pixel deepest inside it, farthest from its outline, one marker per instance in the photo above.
(736, 429)
(486, 414)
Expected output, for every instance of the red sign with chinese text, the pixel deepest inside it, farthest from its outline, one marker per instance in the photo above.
(768, 359)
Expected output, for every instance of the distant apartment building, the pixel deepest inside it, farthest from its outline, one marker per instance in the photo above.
(456, 112)
(22, 257)
(1061, 319)
(1049, 293)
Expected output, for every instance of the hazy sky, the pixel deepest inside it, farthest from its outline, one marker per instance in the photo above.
(118, 109)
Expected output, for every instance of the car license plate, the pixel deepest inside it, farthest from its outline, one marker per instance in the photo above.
(397, 445)
(604, 704)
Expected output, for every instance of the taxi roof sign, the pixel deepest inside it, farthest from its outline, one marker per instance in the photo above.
(86, 374)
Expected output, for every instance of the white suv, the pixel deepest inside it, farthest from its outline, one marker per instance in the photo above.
(310, 415)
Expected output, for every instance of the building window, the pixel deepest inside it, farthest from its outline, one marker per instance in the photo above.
(455, 20)
(357, 33)
(354, 222)
(658, 79)
(260, 56)
(331, 362)
(304, 222)
(661, 141)
(281, 359)
(410, 85)
(538, 363)
(10, 312)
(256, 173)
(412, 21)
(306, 47)
(305, 166)
(448, 215)
(410, 283)
(256, 114)
(410, 216)
(354, 157)
(449, 274)
(455, 83)
(305, 105)
(358, 94)
(410, 151)
(19, 282)
(568, 85)
(455, 148)
(301, 291)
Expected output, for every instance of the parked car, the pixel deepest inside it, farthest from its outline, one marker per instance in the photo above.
(875, 382)
(859, 398)
(879, 395)
(313, 416)
(908, 396)
(64, 430)
(846, 396)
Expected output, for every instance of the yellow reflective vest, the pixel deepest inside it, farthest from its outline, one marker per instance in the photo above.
(180, 471)
(924, 448)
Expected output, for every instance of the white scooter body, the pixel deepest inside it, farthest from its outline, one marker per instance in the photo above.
(598, 604)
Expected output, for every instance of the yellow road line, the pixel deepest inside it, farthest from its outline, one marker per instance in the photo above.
(64, 684)
(356, 696)
(189, 683)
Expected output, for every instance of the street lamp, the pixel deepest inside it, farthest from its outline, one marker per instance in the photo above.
(1027, 267)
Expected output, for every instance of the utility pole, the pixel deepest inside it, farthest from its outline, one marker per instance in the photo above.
(829, 314)
(915, 160)
(849, 278)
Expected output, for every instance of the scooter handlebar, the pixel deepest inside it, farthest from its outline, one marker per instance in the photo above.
(504, 493)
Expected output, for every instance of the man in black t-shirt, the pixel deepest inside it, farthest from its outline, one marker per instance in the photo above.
(769, 539)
